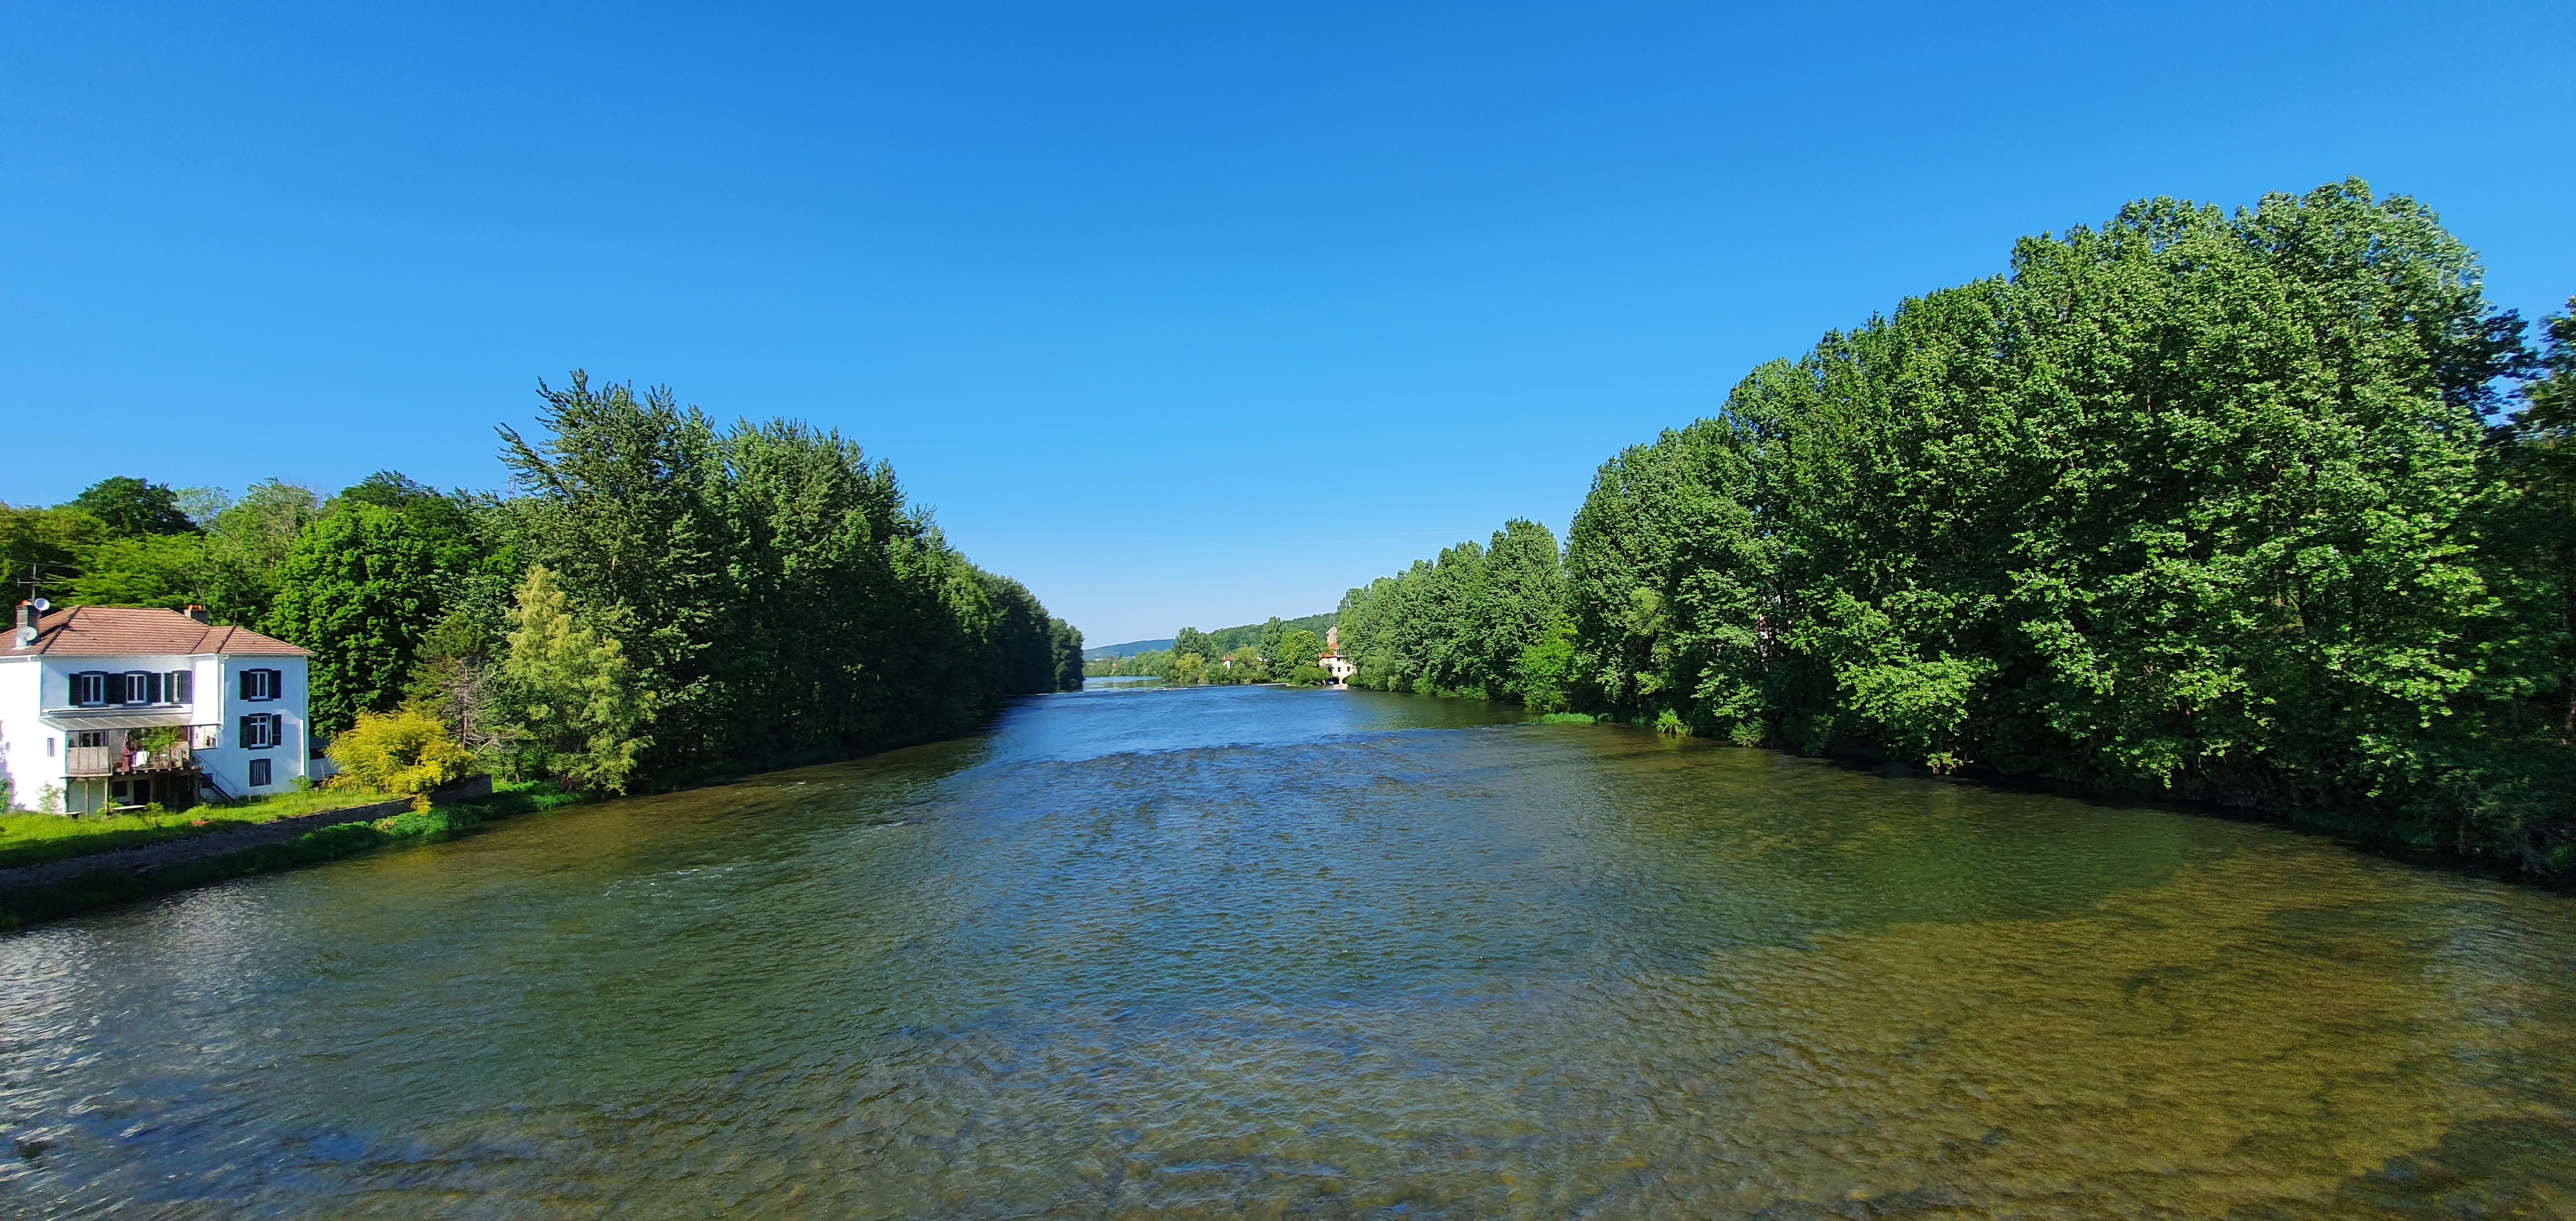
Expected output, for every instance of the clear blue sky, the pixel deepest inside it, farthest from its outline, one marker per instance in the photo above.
(1181, 314)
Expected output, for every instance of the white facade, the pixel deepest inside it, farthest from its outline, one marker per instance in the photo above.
(94, 730)
(1337, 668)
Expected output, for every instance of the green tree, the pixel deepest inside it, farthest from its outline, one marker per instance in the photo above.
(45, 545)
(1227, 639)
(621, 507)
(1460, 623)
(169, 571)
(1546, 673)
(247, 545)
(1297, 653)
(130, 506)
(2192, 501)
(456, 678)
(2532, 540)
(845, 620)
(359, 588)
(2196, 502)
(1272, 632)
(577, 713)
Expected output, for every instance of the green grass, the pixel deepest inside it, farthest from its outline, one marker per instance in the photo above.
(103, 887)
(28, 839)
(1567, 718)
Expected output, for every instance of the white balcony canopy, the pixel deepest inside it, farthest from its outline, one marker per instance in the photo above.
(116, 718)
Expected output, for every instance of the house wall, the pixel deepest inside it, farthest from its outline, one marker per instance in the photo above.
(22, 736)
(228, 763)
(30, 684)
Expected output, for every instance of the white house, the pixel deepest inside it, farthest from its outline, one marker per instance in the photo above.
(1337, 668)
(108, 706)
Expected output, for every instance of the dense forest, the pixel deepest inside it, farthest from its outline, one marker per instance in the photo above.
(1277, 650)
(660, 597)
(2268, 508)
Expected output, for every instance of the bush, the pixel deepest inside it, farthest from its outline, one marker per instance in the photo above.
(405, 753)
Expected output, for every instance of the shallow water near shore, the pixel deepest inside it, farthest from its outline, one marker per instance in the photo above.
(1219, 952)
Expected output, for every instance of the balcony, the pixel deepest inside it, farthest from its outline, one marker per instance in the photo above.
(130, 756)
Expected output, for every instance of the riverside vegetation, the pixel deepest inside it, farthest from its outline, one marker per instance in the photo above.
(1276, 651)
(662, 598)
(2269, 509)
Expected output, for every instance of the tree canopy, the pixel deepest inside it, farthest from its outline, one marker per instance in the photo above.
(774, 591)
(131, 506)
(663, 596)
(2214, 504)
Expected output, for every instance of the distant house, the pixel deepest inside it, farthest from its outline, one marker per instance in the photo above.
(106, 706)
(1337, 668)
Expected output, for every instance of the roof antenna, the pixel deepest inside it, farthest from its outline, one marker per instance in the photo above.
(27, 628)
(36, 607)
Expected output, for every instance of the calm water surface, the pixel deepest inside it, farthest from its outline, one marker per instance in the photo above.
(1222, 952)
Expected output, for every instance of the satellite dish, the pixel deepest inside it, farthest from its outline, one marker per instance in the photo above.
(42, 606)
(26, 636)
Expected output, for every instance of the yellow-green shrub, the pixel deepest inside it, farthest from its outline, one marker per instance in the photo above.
(402, 752)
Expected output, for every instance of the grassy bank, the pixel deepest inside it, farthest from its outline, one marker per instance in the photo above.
(28, 839)
(107, 886)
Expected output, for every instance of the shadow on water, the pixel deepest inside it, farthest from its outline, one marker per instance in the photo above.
(1218, 951)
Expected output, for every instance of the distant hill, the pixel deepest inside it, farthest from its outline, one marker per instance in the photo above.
(1129, 649)
(1227, 639)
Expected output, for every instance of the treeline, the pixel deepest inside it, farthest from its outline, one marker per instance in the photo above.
(2270, 509)
(1265, 635)
(661, 596)
(1484, 622)
(1278, 650)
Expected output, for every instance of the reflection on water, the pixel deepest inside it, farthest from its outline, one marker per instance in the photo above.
(1226, 951)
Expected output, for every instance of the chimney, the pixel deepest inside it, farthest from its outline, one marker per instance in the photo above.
(27, 616)
(197, 613)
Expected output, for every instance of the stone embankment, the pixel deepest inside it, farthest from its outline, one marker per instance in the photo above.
(144, 859)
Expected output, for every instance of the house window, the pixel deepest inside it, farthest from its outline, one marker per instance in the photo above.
(86, 737)
(259, 773)
(262, 730)
(89, 689)
(134, 687)
(180, 687)
(259, 684)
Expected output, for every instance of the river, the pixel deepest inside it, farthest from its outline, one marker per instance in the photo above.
(1215, 952)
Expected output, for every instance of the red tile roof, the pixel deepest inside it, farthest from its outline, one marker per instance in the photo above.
(99, 631)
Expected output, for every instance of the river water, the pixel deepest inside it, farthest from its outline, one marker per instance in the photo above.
(1222, 952)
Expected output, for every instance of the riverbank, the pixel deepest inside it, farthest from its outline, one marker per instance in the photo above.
(2412, 844)
(28, 839)
(115, 863)
(48, 890)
